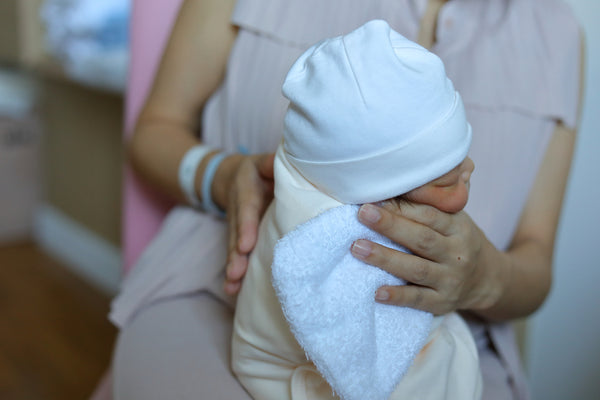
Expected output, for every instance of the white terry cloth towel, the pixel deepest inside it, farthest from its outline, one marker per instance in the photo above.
(328, 298)
(349, 352)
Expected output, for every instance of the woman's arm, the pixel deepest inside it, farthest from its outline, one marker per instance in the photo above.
(455, 266)
(191, 69)
(532, 247)
(528, 261)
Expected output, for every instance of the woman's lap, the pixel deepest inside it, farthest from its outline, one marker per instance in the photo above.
(177, 348)
(180, 348)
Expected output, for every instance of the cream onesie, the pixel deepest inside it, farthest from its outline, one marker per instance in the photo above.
(372, 116)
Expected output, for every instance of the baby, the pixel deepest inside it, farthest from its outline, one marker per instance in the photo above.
(372, 117)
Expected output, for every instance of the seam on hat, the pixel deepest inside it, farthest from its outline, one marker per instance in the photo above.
(362, 96)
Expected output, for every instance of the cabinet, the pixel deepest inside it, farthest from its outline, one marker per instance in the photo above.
(82, 149)
(20, 32)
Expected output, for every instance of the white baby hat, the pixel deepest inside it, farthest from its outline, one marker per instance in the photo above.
(372, 115)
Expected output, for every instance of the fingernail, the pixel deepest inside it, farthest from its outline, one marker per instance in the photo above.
(368, 213)
(382, 295)
(361, 248)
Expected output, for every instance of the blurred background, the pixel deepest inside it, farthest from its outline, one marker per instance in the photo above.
(63, 69)
(63, 74)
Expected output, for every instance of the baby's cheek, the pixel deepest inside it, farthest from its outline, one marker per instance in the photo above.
(454, 199)
(449, 199)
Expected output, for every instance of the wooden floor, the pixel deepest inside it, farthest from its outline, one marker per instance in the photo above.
(55, 339)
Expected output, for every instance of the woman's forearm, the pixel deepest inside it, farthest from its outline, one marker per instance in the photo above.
(521, 279)
(191, 68)
(524, 272)
(155, 153)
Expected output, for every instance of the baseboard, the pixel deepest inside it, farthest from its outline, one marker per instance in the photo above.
(84, 252)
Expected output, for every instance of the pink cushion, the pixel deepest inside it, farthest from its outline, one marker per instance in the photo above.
(143, 210)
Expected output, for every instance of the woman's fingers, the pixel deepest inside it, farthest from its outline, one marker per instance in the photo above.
(256, 192)
(250, 193)
(265, 166)
(418, 238)
(243, 224)
(232, 221)
(422, 214)
(232, 287)
(413, 296)
(411, 268)
(432, 286)
(236, 267)
(249, 213)
(444, 272)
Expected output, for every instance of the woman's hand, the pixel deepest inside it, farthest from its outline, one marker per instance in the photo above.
(245, 187)
(447, 270)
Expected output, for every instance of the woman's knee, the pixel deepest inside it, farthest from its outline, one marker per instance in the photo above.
(176, 348)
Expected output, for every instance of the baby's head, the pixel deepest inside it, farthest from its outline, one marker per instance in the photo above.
(373, 116)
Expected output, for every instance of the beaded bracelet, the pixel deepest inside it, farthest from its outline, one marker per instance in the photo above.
(209, 174)
(187, 172)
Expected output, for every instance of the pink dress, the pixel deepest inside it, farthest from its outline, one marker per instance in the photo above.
(516, 65)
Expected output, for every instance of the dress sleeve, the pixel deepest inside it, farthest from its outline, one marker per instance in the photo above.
(527, 61)
(562, 42)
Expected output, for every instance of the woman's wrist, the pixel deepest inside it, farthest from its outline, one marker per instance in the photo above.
(222, 179)
(497, 269)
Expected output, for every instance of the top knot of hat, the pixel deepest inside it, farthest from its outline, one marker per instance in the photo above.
(372, 115)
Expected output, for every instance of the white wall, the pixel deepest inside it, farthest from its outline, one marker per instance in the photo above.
(563, 350)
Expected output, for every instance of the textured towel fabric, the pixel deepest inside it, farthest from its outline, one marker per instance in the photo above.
(367, 102)
(327, 296)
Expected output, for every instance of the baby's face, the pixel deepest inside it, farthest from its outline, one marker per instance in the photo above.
(449, 192)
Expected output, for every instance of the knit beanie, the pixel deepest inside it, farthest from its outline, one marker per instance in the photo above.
(372, 116)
